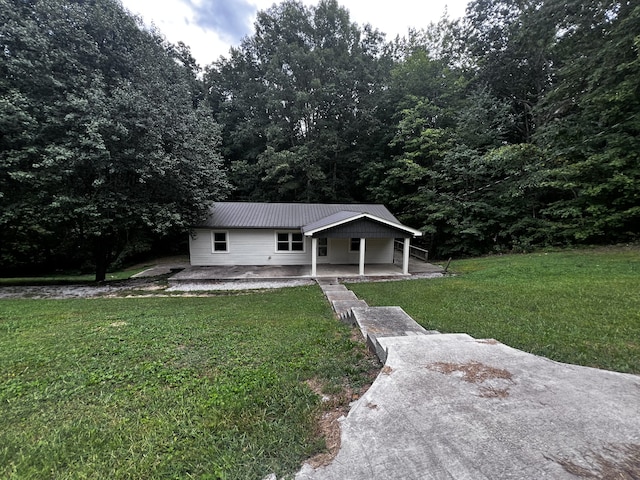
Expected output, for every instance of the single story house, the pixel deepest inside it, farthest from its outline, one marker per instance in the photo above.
(245, 233)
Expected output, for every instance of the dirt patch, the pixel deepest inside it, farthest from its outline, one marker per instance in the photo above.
(472, 372)
(492, 392)
(617, 462)
(490, 380)
(328, 426)
(337, 406)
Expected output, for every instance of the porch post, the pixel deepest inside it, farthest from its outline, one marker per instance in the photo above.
(405, 256)
(314, 256)
(363, 244)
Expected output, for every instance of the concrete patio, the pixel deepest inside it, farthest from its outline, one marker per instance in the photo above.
(297, 272)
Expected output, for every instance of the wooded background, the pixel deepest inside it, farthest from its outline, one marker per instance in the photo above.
(515, 127)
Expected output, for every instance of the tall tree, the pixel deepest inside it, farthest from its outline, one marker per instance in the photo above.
(101, 142)
(297, 100)
(590, 122)
(509, 44)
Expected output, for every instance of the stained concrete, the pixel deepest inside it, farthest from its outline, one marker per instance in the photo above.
(452, 407)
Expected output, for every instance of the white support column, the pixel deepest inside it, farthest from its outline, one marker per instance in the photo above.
(405, 256)
(314, 256)
(363, 245)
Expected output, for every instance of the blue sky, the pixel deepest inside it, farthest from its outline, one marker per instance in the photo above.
(211, 27)
(230, 19)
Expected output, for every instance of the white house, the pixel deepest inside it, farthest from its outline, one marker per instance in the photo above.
(244, 233)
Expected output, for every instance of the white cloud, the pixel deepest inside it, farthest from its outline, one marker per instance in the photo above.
(182, 20)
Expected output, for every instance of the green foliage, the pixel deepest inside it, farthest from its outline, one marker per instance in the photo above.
(101, 140)
(297, 100)
(168, 387)
(578, 307)
(592, 126)
(514, 127)
(471, 97)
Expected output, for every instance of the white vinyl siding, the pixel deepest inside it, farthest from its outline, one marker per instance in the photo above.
(245, 247)
(257, 247)
(377, 250)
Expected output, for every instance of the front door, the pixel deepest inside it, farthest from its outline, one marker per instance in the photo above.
(323, 248)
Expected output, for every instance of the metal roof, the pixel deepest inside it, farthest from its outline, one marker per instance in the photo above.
(336, 218)
(286, 215)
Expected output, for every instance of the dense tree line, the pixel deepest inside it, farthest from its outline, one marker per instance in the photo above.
(516, 126)
(513, 127)
(105, 145)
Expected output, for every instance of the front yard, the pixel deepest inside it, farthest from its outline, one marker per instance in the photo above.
(227, 386)
(169, 387)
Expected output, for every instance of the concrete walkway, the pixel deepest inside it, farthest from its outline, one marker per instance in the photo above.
(453, 407)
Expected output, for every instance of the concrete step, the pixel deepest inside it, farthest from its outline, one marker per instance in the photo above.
(343, 306)
(381, 322)
(346, 295)
(333, 288)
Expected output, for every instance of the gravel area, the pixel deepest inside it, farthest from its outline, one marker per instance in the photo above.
(139, 289)
(237, 285)
(79, 291)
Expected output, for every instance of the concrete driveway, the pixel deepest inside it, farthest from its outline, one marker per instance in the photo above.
(453, 407)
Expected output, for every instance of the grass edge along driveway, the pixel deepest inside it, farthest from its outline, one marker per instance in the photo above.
(170, 387)
(578, 306)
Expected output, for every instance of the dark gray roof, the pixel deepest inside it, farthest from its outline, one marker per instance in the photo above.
(285, 215)
(337, 217)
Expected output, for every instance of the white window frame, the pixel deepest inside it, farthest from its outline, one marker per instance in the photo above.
(290, 241)
(213, 241)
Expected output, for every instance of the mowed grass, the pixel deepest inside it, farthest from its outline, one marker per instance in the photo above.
(580, 307)
(64, 279)
(169, 387)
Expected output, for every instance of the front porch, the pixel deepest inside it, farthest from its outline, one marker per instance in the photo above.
(298, 272)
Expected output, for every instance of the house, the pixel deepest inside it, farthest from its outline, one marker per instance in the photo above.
(244, 233)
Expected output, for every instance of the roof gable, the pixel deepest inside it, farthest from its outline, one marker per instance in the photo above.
(340, 222)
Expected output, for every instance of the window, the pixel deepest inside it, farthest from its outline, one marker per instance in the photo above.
(322, 247)
(289, 242)
(354, 245)
(219, 242)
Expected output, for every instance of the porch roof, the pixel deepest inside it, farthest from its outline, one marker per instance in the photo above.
(347, 217)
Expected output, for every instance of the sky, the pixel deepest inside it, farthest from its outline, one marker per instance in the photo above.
(211, 27)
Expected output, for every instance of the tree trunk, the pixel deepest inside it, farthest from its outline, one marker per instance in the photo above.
(101, 252)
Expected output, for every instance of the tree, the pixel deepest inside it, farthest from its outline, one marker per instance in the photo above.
(298, 102)
(509, 43)
(456, 178)
(590, 125)
(101, 143)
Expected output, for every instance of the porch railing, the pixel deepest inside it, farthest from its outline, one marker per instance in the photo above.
(416, 252)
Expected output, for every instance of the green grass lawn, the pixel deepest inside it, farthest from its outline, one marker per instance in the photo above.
(63, 278)
(169, 387)
(580, 307)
